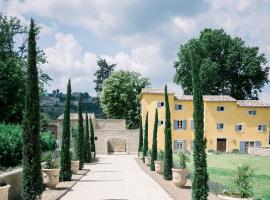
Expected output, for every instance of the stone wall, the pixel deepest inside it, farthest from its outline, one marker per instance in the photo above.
(112, 124)
(259, 151)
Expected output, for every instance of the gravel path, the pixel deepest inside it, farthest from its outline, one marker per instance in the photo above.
(116, 177)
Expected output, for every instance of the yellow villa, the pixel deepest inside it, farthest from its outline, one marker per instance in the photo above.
(228, 123)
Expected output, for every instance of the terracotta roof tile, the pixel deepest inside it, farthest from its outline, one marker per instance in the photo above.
(252, 103)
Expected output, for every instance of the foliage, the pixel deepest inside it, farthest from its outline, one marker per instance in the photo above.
(65, 170)
(80, 138)
(44, 122)
(140, 146)
(74, 147)
(47, 141)
(149, 152)
(200, 176)
(154, 143)
(236, 151)
(168, 161)
(13, 64)
(2, 183)
(10, 145)
(145, 138)
(228, 66)
(212, 151)
(92, 138)
(120, 96)
(50, 162)
(102, 73)
(32, 176)
(241, 183)
(87, 150)
(179, 160)
(160, 155)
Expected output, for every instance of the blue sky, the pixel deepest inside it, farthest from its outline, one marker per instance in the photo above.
(139, 35)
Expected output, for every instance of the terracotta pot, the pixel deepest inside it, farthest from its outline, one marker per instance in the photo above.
(147, 160)
(179, 177)
(141, 155)
(4, 192)
(159, 166)
(75, 164)
(221, 197)
(51, 177)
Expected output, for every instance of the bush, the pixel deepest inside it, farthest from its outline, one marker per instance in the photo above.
(214, 152)
(10, 145)
(235, 151)
(48, 141)
(179, 160)
(160, 155)
(149, 152)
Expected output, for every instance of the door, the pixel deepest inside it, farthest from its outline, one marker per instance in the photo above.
(221, 145)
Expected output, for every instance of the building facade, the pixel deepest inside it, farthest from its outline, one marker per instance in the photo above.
(228, 124)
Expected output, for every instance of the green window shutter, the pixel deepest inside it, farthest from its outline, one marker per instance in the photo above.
(242, 147)
(184, 124)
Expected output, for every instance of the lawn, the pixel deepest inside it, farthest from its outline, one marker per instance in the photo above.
(221, 168)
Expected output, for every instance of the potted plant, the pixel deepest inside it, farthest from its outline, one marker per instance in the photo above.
(147, 159)
(159, 162)
(51, 172)
(4, 188)
(241, 185)
(179, 170)
(75, 163)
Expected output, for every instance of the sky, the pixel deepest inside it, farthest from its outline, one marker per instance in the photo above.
(138, 35)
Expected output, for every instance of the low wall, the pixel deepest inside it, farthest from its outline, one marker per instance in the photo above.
(259, 151)
(115, 124)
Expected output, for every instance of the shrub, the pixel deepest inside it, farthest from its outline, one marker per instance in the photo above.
(236, 151)
(10, 145)
(160, 155)
(149, 152)
(241, 183)
(50, 162)
(48, 141)
(179, 160)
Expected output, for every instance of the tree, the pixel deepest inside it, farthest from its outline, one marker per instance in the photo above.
(140, 146)
(87, 150)
(120, 96)
(168, 161)
(200, 176)
(102, 73)
(145, 139)
(13, 67)
(32, 175)
(65, 171)
(80, 134)
(154, 143)
(92, 138)
(228, 66)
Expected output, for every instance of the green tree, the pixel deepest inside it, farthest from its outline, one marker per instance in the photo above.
(120, 96)
(154, 143)
(140, 146)
(228, 66)
(80, 134)
(102, 73)
(65, 171)
(87, 150)
(200, 176)
(92, 138)
(168, 161)
(32, 175)
(145, 138)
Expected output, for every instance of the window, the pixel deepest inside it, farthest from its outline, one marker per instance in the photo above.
(160, 122)
(220, 126)
(160, 104)
(261, 128)
(252, 112)
(178, 107)
(220, 108)
(179, 145)
(192, 125)
(239, 127)
(180, 124)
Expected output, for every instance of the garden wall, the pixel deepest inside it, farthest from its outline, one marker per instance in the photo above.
(259, 151)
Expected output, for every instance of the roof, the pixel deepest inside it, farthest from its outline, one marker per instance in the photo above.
(206, 98)
(252, 103)
(74, 116)
(154, 91)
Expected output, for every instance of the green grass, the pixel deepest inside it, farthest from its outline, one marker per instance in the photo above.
(221, 168)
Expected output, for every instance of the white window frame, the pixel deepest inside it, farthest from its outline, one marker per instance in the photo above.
(252, 113)
(262, 126)
(161, 102)
(160, 122)
(220, 107)
(242, 127)
(178, 106)
(220, 129)
(179, 144)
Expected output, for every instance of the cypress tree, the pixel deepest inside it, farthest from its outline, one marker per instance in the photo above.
(32, 175)
(87, 150)
(168, 161)
(80, 134)
(154, 143)
(65, 171)
(200, 176)
(140, 147)
(92, 138)
(145, 141)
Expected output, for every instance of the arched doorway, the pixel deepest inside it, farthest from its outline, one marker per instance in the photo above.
(115, 145)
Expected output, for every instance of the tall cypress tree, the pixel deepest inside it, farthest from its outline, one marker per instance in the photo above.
(168, 161)
(87, 150)
(140, 147)
(32, 175)
(154, 143)
(65, 171)
(92, 138)
(145, 141)
(200, 176)
(80, 134)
